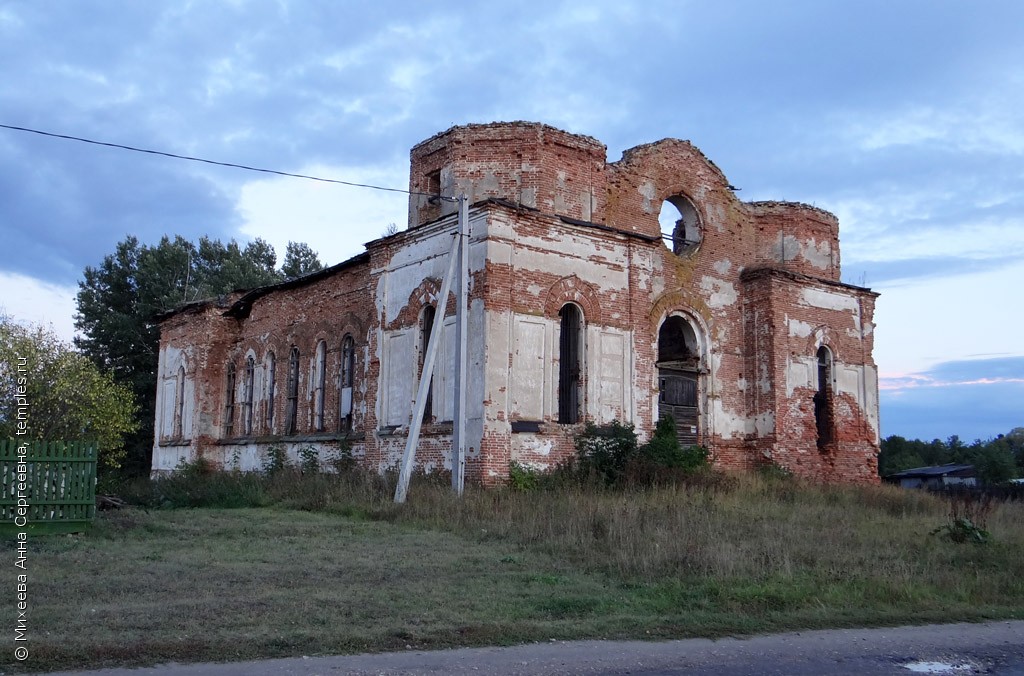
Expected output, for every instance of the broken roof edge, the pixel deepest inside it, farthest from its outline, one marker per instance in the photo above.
(636, 153)
(519, 207)
(786, 204)
(752, 273)
(241, 307)
(249, 295)
(518, 124)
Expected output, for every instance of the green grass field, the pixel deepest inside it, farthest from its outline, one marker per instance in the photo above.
(330, 565)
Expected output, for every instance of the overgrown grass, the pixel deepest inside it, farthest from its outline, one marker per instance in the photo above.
(331, 564)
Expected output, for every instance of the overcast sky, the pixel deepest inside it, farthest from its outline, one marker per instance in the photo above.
(905, 118)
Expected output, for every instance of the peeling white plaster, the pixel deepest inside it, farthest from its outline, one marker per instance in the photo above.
(817, 254)
(719, 293)
(799, 329)
(649, 192)
(828, 300)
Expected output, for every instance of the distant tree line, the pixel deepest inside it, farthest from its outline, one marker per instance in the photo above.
(120, 299)
(996, 460)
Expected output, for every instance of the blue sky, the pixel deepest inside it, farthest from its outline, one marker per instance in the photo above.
(902, 118)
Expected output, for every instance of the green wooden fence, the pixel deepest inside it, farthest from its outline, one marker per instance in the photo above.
(55, 489)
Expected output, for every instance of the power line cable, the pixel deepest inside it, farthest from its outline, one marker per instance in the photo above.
(220, 164)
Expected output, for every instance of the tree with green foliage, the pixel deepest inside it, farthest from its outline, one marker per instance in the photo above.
(60, 394)
(299, 260)
(119, 302)
(996, 460)
(612, 454)
(664, 449)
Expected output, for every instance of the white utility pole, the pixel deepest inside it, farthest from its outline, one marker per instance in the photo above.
(419, 404)
(461, 326)
(458, 253)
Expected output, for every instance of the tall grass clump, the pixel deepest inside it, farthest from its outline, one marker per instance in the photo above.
(198, 484)
(825, 544)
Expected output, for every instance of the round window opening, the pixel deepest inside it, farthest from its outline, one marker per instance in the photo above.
(681, 228)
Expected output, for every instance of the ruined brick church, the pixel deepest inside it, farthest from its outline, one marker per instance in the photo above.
(734, 322)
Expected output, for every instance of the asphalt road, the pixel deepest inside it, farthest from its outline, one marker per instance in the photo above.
(989, 648)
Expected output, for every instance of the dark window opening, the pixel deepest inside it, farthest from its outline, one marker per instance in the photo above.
(229, 401)
(290, 422)
(427, 328)
(678, 372)
(569, 365)
(250, 382)
(433, 184)
(823, 398)
(677, 344)
(346, 382)
(271, 392)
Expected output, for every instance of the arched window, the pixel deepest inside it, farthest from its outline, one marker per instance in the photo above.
(681, 224)
(249, 394)
(319, 380)
(679, 355)
(292, 410)
(229, 401)
(823, 398)
(270, 392)
(346, 383)
(427, 326)
(570, 364)
(179, 404)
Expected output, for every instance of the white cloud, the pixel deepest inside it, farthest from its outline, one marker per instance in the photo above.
(993, 126)
(898, 225)
(31, 301)
(335, 220)
(921, 323)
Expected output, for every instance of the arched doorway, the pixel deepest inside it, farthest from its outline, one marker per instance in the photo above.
(678, 369)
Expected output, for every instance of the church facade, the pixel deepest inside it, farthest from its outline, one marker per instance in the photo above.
(734, 322)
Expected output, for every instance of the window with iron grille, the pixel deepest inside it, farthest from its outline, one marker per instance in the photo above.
(427, 328)
(250, 382)
(346, 382)
(270, 393)
(569, 364)
(292, 411)
(320, 379)
(823, 398)
(179, 404)
(229, 401)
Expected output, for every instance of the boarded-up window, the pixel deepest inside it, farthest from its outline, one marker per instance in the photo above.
(444, 372)
(612, 378)
(167, 408)
(570, 355)
(528, 360)
(399, 377)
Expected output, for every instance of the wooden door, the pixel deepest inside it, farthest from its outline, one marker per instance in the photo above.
(678, 398)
